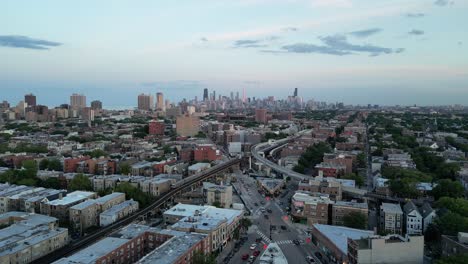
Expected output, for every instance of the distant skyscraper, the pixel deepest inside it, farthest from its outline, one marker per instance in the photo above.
(96, 105)
(295, 92)
(205, 94)
(77, 101)
(30, 99)
(214, 95)
(160, 102)
(232, 96)
(237, 96)
(145, 102)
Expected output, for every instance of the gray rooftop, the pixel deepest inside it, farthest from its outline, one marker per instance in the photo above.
(391, 208)
(339, 235)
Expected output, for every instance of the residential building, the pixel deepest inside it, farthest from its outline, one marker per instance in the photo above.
(391, 249)
(145, 102)
(332, 241)
(322, 185)
(96, 105)
(28, 237)
(217, 194)
(455, 245)
(60, 208)
(157, 185)
(261, 116)
(413, 219)
(341, 209)
(314, 208)
(428, 214)
(206, 152)
(187, 126)
(118, 212)
(157, 127)
(77, 101)
(391, 218)
(273, 255)
(160, 106)
(198, 167)
(30, 100)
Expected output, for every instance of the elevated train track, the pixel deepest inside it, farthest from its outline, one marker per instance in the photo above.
(157, 204)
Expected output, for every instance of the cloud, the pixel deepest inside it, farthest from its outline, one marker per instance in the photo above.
(339, 45)
(332, 3)
(255, 43)
(290, 29)
(416, 32)
(365, 33)
(443, 2)
(415, 15)
(14, 41)
(203, 39)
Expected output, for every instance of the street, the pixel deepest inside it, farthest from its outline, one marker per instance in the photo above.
(271, 223)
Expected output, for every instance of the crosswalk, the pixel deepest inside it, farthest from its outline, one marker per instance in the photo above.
(284, 242)
(264, 237)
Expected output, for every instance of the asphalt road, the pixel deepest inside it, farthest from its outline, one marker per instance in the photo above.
(260, 206)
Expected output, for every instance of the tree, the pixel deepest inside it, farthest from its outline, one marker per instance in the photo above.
(456, 205)
(361, 160)
(125, 168)
(30, 167)
(81, 183)
(217, 204)
(52, 183)
(44, 164)
(451, 223)
(455, 259)
(448, 171)
(355, 220)
(447, 188)
(134, 193)
(358, 179)
(246, 223)
(55, 165)
(97, 153)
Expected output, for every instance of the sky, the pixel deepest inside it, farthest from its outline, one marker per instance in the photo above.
(354, 51)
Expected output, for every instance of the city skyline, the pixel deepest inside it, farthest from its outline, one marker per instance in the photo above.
(385, 52)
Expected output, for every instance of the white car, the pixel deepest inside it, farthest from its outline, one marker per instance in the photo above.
(253, 246)
(310, 259)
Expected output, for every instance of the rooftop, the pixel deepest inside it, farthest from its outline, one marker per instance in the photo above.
(391, 208)
(72, 198)
(173, 249)
(339, 235)
(84, 205)
(273, 255)
(119, 207)
(109, 197)
(92, 253)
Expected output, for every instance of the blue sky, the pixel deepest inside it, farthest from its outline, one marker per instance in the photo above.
(356, 51)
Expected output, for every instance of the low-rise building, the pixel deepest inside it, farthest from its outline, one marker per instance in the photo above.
(314, 208)
(273, 255)
(413, 220)
(332, 188)
(332, 241)
(271, 186)
(391, 218)
(217, 194)
(30, 237)
(391, 249)
(342, 209)
(455, 245)
(428, 214)
(198, 167)
(59, 208)
(118, 212)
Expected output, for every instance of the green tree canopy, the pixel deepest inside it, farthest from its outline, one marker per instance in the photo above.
(134, 193)
(451, 223)
(355, 220)
(447, 188)
(97, 153)
(456, 259)
(456, 205)
(81, 183)
(125, 168)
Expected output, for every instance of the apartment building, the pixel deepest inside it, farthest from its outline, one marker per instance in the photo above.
(29, 237)
(206, 152)
(413, 220)
(157, 185)
(314, 208)
(187, 126)
(217, 194)
(60, 208)
(341, 209)
(118, 212)
(332, 241)
(198, 167)
(391, 218)
(86, 214)
(138, 242)
(330, 187)
(391, 249)
(25, 198)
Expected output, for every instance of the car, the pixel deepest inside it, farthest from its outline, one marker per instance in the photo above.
(266, 216)
(256, 253)
(262, 202)
(269, 211)
(256, 204)
(251, 259)
(253, 246)
(258, 240)
(283, 227)
(310, 259)
(318, 255)
(273, 227)
(245, 257)
(296, 242)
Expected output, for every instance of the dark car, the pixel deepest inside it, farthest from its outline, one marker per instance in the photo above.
(283, 227)
(256, 253)
(256, 204)
(296, 242)
(258, 240)
(266, 216)
(245, 257)
(269, 211)
(318, 255)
